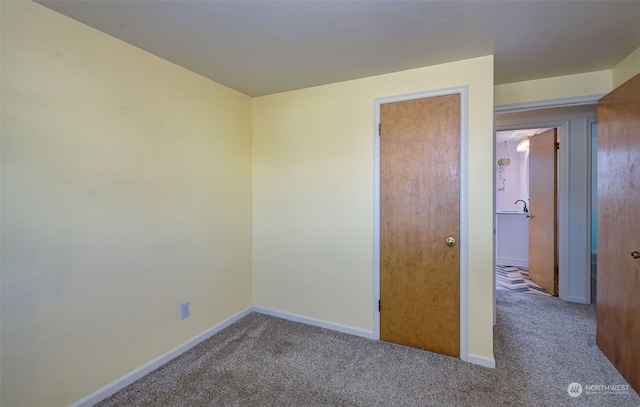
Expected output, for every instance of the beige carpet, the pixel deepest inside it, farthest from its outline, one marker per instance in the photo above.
(541, 346)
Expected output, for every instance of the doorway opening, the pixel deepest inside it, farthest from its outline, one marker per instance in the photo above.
(513, 215)
(574, 199)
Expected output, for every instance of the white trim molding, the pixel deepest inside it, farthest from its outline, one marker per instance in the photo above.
(314, 322)
(549, 103)
(138, 373)
(563, 210)
(464, 186)
(482, 361)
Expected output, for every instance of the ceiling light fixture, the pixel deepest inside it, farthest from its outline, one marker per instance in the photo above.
(523, 145)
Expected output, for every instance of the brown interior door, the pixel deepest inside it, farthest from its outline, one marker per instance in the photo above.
(419, 211)
(618, 301)
(543, 187)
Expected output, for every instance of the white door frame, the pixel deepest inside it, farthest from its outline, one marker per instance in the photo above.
(464, 185)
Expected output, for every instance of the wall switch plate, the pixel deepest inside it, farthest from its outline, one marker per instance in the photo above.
(184, 310)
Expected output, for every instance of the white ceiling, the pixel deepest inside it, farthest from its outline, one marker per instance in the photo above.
(266, 46)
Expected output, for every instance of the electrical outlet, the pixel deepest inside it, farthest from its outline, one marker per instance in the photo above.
(184, 310)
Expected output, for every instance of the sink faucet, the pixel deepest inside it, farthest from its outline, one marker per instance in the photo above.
(525, 205)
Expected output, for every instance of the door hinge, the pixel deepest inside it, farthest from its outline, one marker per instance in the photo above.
(557, 146)
(378, 305)
(379, 129)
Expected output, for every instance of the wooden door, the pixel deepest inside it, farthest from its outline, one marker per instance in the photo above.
(419, 210)
(618, 294)
(543, 229)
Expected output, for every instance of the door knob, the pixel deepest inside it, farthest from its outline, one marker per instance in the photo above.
(452, 242)
(635, 254)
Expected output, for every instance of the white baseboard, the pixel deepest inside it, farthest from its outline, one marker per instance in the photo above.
(315, 322)
(578, 300)
(475, 359)
(481, 360)
(503, 261)
(131, 377)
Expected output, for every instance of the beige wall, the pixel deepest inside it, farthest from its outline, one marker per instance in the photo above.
(126, 189)
(313, 196)
(626, 69)
(558, 87)
(569, 86)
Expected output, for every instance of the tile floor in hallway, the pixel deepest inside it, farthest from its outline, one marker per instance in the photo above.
(517, 279)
